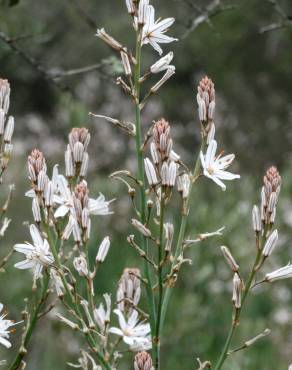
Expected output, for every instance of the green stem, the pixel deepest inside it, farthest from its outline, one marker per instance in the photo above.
(73, 303)
(139, 154)
(160, 285)
(18, 359)
(235, 321)
(182, 230)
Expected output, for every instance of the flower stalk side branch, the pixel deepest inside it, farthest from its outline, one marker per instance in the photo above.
(141, 178)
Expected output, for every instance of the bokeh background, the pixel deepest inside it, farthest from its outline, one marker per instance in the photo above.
(245, 47)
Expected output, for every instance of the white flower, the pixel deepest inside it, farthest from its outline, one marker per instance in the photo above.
(214, 167)
(153, 32)
(282, 273)
(4, 326)
(97, 206)
(135, 334)
(102, 315)
(37, 254)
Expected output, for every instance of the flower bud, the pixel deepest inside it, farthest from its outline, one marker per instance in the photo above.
(9, 130)
(103, 250)
(150, 172)
(256, 219)
(169, 232)
(108, 39)
(143, 361)
(169, 72)
(270, 243)
(162, 64)
(80, 265)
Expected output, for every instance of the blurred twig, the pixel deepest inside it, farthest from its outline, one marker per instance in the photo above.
(83, 14)
(285, 19)
(29, 59)
(215, 8)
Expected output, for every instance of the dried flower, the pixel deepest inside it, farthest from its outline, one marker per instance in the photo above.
(141, 228)
(169, 232)
(230, 259)
(143, 361)
(214, 167)
(237, 287)
(108, 39)
(80, 265)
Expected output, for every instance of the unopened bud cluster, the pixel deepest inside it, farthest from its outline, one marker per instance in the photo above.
(162, 170)
(6, 125)
(76, 156)
(143, 361)
(206, 103)
(129, 290)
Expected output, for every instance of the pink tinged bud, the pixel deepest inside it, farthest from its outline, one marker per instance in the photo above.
(9, 130)
(84, 218)
(170, 71)
(69, 166)
(211, 110)
(270, 243)
(236, 297)
(229, 259)
(169, 232)
(273, 216)
(172, 173)
(42, 181)
(103, 250)
(2, 121)
(154, 153)
(141, 228)
(126, 63)
(84, 165)
(162, 64)
(36, 210)
(202, 109)
(272, 202)
(164, 174)
(49, 194)
(143, 361)
(108, 39)
(78, 151)
(150, 172)
(76, 232)
(256, 219)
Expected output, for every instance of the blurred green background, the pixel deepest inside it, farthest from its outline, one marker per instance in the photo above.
(253, 81)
